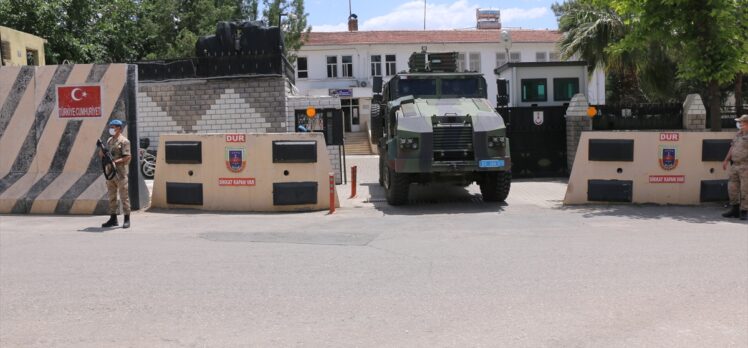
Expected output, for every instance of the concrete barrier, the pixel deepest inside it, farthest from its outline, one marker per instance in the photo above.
(49, 163)
(660, 167)
(243, 172)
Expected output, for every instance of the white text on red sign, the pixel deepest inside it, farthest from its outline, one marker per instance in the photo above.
(236, 138)
(236, 182)
(669, 136)
(667, 179)
(79, 101)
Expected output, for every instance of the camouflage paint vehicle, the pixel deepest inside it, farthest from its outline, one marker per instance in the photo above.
(436, 125)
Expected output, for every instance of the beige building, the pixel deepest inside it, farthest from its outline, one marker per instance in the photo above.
(19, 48)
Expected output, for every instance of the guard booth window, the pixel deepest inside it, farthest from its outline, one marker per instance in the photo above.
(565, 88)
(534, 90)
(328, 121)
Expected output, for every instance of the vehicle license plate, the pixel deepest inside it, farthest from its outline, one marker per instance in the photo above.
(491, 163)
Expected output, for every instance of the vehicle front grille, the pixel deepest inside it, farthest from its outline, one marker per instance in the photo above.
(453, 143)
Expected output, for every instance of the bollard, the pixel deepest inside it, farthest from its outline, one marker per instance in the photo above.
(332, 193)
(353, 181)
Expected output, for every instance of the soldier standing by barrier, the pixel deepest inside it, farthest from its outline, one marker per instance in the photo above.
(737, 186)
(119, 149)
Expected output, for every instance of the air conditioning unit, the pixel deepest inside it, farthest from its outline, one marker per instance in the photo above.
(363, 83)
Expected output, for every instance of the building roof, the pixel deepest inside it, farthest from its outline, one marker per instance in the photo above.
(428, 37)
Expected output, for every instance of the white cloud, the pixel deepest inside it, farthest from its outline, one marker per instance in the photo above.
(459, 14)
(330, 27)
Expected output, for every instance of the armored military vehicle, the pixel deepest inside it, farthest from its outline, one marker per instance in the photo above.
(435, 124)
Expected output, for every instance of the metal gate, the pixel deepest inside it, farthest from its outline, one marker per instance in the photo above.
(537, 137)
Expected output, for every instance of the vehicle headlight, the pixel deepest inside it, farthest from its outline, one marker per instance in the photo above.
(496, 141)
(409, 143)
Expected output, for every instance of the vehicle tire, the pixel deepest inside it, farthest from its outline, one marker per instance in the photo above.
(376, 123)
(396, 187)
(495, 186)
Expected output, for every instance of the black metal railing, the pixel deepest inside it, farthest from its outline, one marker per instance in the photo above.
(728, 114)
(638, 117)
(216, 66)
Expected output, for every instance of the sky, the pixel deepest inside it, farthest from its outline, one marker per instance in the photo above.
(332, 15)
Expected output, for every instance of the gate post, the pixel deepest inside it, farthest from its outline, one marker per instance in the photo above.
(577, 121)
(694, 113)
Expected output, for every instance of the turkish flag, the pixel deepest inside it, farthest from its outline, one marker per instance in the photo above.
(79, 101)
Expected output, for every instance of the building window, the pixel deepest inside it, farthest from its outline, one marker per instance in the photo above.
(534, 90)
(461, 66)
(554, 56)
(565, 88)
(540, 57)
(347, 66)
(332, 66)
(474, 62)
(327, 121)
(515, 57)
(5, 50)
(376, 65)
(500, 59)
(390, 64)
(302, 70)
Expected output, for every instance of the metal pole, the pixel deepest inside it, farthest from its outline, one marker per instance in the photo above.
(354, 175)
(332, 193)
(424, 15)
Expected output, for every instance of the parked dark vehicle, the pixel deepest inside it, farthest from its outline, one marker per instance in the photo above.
(434, 124)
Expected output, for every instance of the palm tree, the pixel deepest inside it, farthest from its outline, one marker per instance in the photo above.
(590, 32)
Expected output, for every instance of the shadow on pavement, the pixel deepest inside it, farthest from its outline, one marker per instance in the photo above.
(99, 229)
(433, 199)
(709, 214)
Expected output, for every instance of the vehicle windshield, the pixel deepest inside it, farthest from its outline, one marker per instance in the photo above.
(416, 87)
(460, 87)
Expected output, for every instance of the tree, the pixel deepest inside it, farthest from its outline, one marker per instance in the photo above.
(703, 36)
(293, 23)
(591, 28)
(100, 31)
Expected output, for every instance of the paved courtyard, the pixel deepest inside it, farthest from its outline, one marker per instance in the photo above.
(448, 271)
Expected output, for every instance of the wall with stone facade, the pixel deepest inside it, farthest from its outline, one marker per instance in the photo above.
(294, 103)
(577, 121)
(227, 105)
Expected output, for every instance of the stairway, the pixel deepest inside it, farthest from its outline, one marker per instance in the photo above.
(357, 144)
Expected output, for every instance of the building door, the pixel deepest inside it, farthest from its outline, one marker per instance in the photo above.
(537, 138)
(350, 110)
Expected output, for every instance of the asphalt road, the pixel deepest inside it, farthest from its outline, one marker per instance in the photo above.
(450, 271)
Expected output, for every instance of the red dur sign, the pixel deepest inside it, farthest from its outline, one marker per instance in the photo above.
(79, 101)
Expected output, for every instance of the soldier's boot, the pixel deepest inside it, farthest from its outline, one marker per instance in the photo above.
(112, 221)
(733, 212)
(744, 215)
(126, 224)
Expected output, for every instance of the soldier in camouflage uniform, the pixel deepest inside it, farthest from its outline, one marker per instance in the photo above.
(737, 186)
(119, 148)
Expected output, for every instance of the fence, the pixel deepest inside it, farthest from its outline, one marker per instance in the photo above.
(218, 66)
(638, 117)
(728, 114)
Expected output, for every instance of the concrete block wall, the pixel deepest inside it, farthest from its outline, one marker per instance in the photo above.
(577, 121)
(294, 103)
(231, 105)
